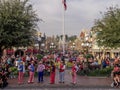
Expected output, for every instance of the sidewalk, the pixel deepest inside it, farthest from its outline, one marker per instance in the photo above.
(82, 81)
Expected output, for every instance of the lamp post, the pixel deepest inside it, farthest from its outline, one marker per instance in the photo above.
(43, 46)
(73, 46)
(52, 46)
(86, 45)
(39, 42)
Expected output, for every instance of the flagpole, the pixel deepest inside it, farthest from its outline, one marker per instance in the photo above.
(63, 29)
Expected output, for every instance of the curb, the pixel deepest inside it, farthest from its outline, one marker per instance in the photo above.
(99, 77)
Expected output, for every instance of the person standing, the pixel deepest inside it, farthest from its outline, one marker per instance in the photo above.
(31, 69)
(40, 70)
(61, 72)
(20, 72)
(52, 73)
(73, 72)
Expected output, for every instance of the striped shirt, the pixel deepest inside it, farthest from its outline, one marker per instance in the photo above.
(40, 68)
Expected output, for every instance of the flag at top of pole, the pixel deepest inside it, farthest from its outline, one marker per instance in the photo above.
(64, 3)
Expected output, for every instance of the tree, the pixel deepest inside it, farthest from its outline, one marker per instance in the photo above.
(108, 28)
(72, 38)
(17, 23)
(67, 38)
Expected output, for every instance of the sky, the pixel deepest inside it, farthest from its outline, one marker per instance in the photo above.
(80, 15)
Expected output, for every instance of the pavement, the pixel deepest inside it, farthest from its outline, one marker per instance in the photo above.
(82, 82)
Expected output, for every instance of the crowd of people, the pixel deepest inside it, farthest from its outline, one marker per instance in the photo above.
(49, 63)
(30, 64)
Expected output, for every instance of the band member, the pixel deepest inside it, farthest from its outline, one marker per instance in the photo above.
(61, 72)
(73, 72)
(52, 73)
(31, 69)
(20, 73)
(40, 70)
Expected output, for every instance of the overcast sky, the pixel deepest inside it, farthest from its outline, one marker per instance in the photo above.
(80, 14)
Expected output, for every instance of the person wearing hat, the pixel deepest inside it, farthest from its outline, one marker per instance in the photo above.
(74, 70)
(20, 72)
(40, 70)
(31, 69)
(61, 72)
(52, 72)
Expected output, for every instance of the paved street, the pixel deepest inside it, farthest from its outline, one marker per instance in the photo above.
(66, 89)
(83, 83)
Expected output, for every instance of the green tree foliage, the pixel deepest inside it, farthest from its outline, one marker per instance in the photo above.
(108, 28)
(17, 23)
(72, 38)
(67, 38)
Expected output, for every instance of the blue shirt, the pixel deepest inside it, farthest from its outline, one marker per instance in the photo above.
(32, 69)
(20, 68)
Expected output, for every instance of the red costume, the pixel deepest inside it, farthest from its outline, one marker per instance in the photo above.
(52, 75)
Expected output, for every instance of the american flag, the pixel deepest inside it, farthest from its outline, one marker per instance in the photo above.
(64, 3)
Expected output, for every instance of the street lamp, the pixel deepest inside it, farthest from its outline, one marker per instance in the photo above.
(42, 46)
(73, 46)
(52, 46)
(86, 45)
(39, 42)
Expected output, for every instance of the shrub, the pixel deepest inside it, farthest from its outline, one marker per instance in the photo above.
(14, 70)
(39, 56)
(101, 72)
(97, 72)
